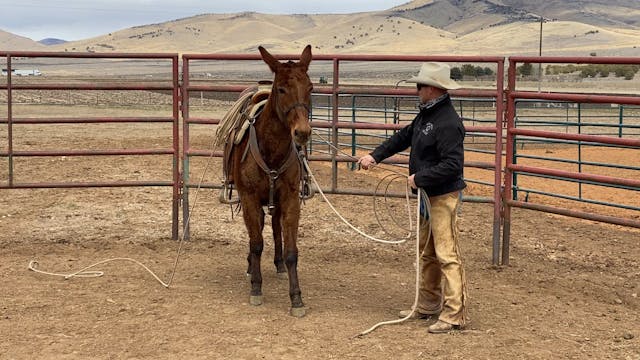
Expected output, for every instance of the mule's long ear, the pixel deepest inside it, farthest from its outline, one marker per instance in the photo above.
(305, 58)
(269, 59)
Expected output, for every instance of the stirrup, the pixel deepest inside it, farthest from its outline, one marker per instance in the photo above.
(226, 195)
(307, 191)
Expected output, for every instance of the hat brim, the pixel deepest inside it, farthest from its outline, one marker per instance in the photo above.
(448, 84)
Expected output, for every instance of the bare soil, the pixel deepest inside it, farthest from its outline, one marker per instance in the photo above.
(570, 291)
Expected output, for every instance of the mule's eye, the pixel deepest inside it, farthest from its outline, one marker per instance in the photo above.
(282, 90)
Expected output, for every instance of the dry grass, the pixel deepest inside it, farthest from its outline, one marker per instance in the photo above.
(383, 32)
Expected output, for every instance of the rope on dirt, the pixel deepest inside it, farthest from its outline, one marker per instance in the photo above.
(422, 196)
(83, 273)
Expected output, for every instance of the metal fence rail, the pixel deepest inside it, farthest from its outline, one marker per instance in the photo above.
(41, 83)
(358, 116)
(527, 131)
(338, 120)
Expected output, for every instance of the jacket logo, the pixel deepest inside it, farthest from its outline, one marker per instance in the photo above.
(427, 128)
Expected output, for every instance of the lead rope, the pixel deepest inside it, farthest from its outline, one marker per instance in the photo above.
(306, 165)
(422, 197)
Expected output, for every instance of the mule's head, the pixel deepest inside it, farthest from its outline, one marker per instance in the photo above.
(291, 93)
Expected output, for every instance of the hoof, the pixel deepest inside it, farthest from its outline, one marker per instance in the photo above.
(298, 312)
(255, 300)
(282, 275)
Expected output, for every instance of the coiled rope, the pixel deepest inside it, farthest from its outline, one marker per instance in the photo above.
(422, 199)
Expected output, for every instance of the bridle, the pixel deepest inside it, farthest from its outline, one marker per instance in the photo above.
(298, 104)
(294, 154)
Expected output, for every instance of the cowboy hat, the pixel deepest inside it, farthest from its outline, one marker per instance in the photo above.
(435, 74)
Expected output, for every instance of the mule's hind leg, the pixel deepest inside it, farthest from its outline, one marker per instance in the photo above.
(254, 221)
(281, 271)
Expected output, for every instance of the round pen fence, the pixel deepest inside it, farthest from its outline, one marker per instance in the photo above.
(566, 152)
(86, 94)
(572, 154)
(351, 113)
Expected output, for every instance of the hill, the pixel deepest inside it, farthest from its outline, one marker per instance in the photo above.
(464, 16)
(452, 27)
(9, 41)
(51, 41)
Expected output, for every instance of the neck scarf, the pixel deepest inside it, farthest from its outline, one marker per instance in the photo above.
(431, 103)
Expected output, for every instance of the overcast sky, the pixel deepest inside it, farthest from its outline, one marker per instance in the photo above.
(81, 19)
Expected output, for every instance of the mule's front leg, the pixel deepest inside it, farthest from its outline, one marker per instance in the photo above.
(290, 234)
(297, 306)
(278, 260)
(254, 221)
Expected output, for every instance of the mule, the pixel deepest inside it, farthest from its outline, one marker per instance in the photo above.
(266, 171)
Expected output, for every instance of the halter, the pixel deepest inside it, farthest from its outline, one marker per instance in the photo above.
(283, 118)
(298, 104)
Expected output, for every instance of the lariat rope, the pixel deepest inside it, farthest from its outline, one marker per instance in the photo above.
(422, 197)
(84, 273)
(306, 165)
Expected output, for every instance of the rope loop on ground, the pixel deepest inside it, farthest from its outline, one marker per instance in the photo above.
(422, 199)
(33, 264)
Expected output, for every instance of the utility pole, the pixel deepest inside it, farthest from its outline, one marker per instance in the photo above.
(540, 55)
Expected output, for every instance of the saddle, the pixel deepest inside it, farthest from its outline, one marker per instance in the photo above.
(233, 128)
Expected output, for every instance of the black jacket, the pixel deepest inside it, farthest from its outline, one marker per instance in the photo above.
(436, 137)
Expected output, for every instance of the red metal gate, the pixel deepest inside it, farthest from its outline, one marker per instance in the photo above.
(334, 125)
(516, 136)
(42, 83)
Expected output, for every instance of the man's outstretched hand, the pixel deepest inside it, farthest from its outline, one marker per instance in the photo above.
(366, 161)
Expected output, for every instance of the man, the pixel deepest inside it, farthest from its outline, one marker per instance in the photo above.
(436, 161)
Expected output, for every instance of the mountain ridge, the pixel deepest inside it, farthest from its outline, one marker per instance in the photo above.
(463, 27)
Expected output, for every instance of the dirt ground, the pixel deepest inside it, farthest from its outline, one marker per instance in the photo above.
(571, 290)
